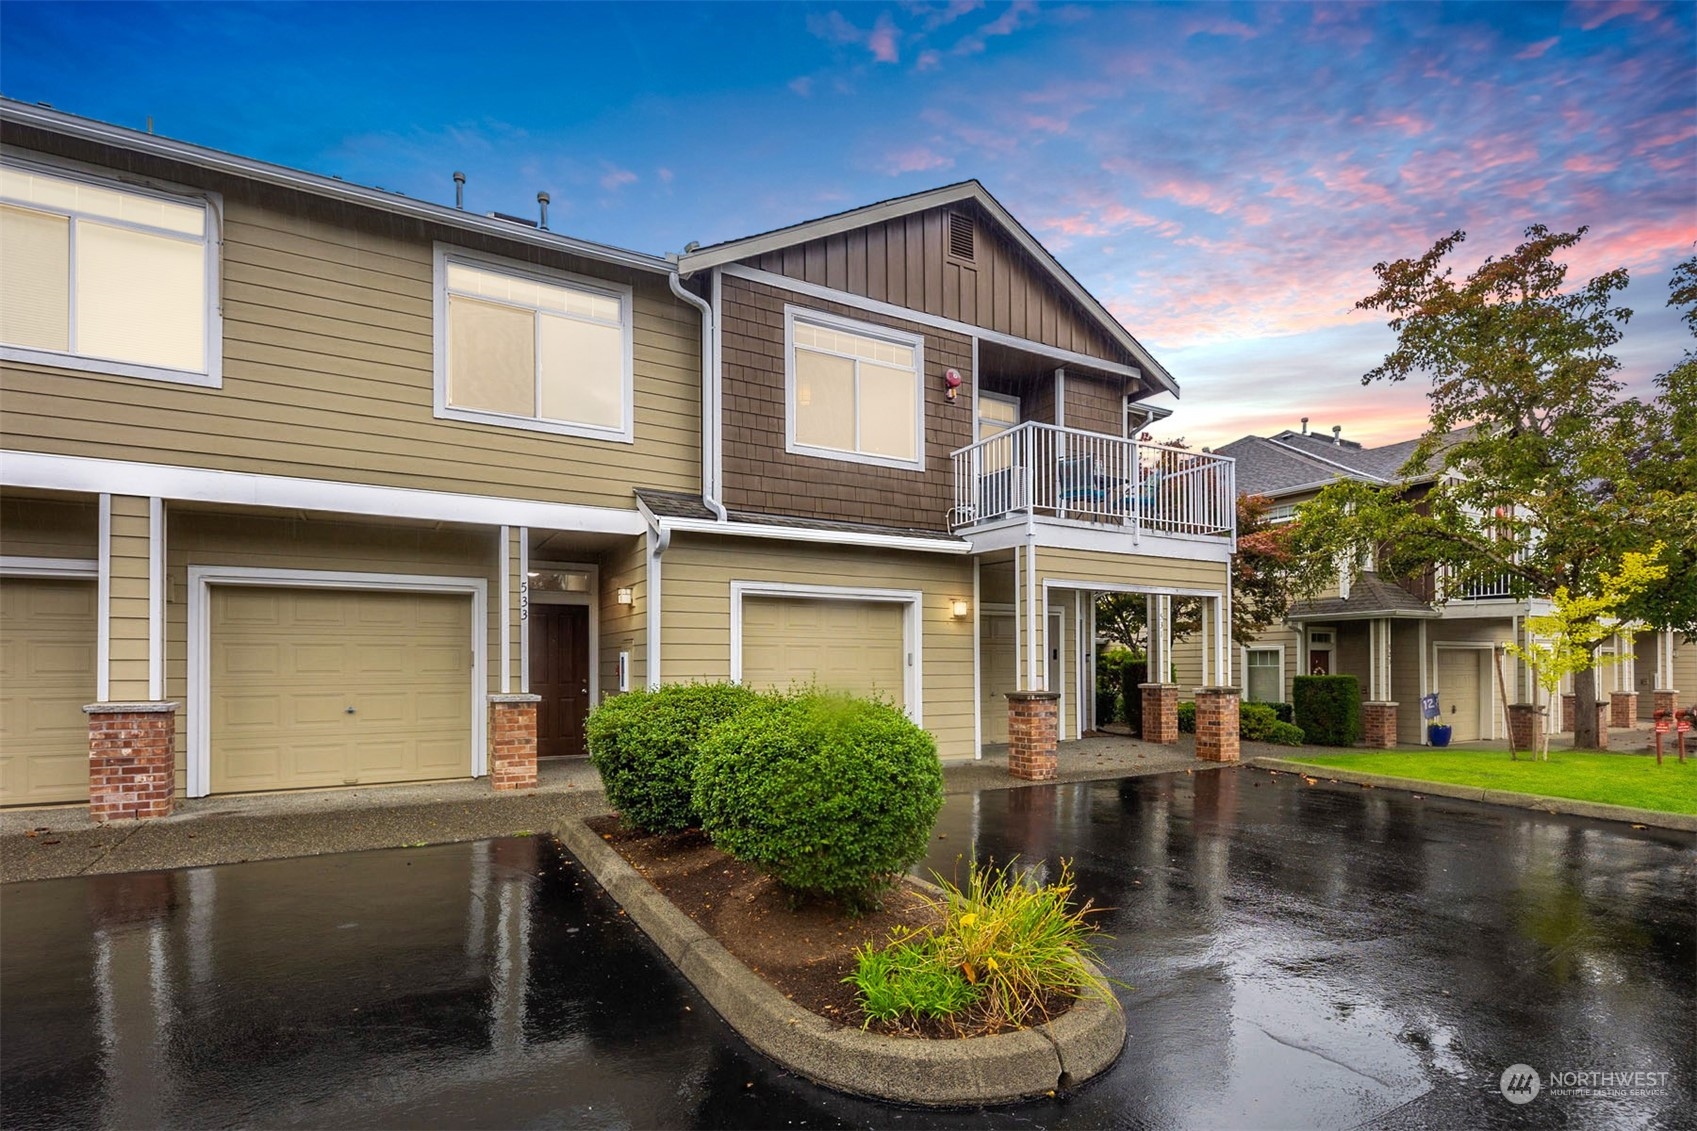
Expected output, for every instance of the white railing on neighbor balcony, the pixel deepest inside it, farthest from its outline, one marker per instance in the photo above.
(1482, 589)
(1051, 472)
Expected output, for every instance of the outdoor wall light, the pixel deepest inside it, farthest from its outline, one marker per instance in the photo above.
(623, 595)
(960, 606)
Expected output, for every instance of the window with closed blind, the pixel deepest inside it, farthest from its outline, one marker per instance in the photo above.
(1264, 675)
(526, 347)
(107, 277)
(854, 391)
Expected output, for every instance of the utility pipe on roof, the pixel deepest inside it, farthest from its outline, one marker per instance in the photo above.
(709, 393)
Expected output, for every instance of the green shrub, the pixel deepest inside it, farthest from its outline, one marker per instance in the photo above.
(1004, 944)
(1284, 734)
(1187, 718)
(1285, 711)
(644, 744)
(830, 795)
(1133, 674)
(1328, 709)
(1107, 707)
(1254, 720)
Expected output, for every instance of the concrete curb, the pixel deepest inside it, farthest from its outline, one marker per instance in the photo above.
(960, 1073)
(1654, 818)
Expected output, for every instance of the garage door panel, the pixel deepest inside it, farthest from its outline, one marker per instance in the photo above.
(400, 661)
(1458, 692)
(854, 646)
(47, 674)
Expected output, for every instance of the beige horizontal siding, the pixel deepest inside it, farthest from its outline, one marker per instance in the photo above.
(1129, 569)
(696, 626)
(129, 599)
(328, 374)
(624, 628)
(204, 537)
(35, 527)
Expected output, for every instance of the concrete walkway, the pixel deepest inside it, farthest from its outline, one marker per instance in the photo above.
(47, 843)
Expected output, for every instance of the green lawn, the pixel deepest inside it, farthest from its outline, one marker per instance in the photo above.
(1613, 779)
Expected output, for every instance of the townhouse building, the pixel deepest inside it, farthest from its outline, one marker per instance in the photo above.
(305, 484)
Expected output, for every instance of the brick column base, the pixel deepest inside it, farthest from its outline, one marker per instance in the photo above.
(1623, 709)
(1378, 724)
(1160, 712)
(1216, 723)
(132, 760)
(1034, 728)
(1664, 699)
(512, 741)
(1567, 702)
(1526, 725)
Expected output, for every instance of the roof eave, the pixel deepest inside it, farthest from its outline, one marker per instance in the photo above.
(86, 129)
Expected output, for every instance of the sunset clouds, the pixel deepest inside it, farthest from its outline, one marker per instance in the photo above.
(1223, 176)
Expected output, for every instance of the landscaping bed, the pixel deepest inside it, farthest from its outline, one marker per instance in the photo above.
(804, 952)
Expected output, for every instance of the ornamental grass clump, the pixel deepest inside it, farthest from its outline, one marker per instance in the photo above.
(1007, 953)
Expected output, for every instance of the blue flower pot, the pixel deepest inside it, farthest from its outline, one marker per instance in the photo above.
(1438, 734)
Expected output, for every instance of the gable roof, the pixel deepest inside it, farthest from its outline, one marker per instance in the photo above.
(748, 247)
(1293, 462)
(1369, 598)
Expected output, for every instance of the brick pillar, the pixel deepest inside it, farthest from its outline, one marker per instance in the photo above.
(512, 741)
(1623, 709)
(1526, 725)
(1664, 699)
(1378, 724)
(1567, 702)
(1034, 721)
(132, 760)
(1160, 711)
(1216, 723)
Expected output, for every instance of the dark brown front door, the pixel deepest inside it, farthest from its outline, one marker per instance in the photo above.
(559, 673)
(1320, 662)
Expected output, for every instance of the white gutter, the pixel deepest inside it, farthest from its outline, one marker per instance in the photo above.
(709, 393)
(807, 534)
(134, 141)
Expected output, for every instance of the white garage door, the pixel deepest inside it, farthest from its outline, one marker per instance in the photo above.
(47, 654)
(1458, 692)
(321, 687)
(854, 646)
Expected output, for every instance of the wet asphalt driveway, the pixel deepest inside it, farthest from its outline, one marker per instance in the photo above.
(1299, 956)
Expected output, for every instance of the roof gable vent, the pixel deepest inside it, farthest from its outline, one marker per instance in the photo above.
(960, 236)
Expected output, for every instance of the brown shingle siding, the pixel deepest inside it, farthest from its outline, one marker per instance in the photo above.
(760, 476)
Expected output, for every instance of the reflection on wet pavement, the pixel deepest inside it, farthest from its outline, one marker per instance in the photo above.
(1297, 956)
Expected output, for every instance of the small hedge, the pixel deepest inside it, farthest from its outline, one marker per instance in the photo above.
(1328, 709)
(830, 795)
(1187, 718)
(1107, 707)
(1133, 674)
(644, 744)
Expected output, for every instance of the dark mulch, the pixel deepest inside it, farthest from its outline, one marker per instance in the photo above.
(804, 951)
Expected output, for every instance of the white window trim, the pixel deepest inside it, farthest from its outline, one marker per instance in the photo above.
(446, 253)
(201, 580)
(213, 376)
(69, 569)
(1244, 656)
(867, 329)
(912, 626)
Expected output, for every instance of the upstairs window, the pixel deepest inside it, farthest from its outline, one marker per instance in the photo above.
(854, 391)
(106, 278)
(528, 348)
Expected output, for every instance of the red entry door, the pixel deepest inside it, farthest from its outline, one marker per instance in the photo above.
(559, 673)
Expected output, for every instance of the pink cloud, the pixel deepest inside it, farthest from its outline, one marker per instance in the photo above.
(929, 60)
(914, 159)
(1536, 50)
(1010, 21)
(1585, 163)
(616, 178)
(1220, 26)
(1597, 14)
(802, 86)
(882, 41)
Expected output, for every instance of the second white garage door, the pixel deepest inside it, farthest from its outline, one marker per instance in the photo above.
(47, 673)
(1458, 692)
(321, 687)
(854, 646)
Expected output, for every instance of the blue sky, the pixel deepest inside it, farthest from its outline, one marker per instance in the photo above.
(1223, 176)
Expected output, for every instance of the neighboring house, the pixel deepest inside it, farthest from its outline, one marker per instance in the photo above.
(1405, 639)
(335, 470)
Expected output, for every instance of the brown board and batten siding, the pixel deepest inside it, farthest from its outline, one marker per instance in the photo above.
(328, 360)
(907, 261)
(760, 476)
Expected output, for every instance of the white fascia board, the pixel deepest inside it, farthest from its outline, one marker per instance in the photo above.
(193, 484)
(134, 141)
(1061, 535)
(735, 250)
(803, 534)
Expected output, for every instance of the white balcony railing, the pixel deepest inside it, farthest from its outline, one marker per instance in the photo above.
(1051, 472)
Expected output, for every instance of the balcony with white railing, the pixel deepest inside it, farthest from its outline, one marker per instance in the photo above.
(1047, 473)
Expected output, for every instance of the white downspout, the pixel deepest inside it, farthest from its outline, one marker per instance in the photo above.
(709, 393)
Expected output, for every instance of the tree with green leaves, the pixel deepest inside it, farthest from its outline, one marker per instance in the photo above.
(1530, 481)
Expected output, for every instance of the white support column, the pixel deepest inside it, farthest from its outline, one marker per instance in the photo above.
(1018, 625)
(103, 610)
(1037, 624)
(524, 613)
(506, 566)
(1228, 646)
(1425, 680)
(977, 647)
(652, 614)
(156, 598)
